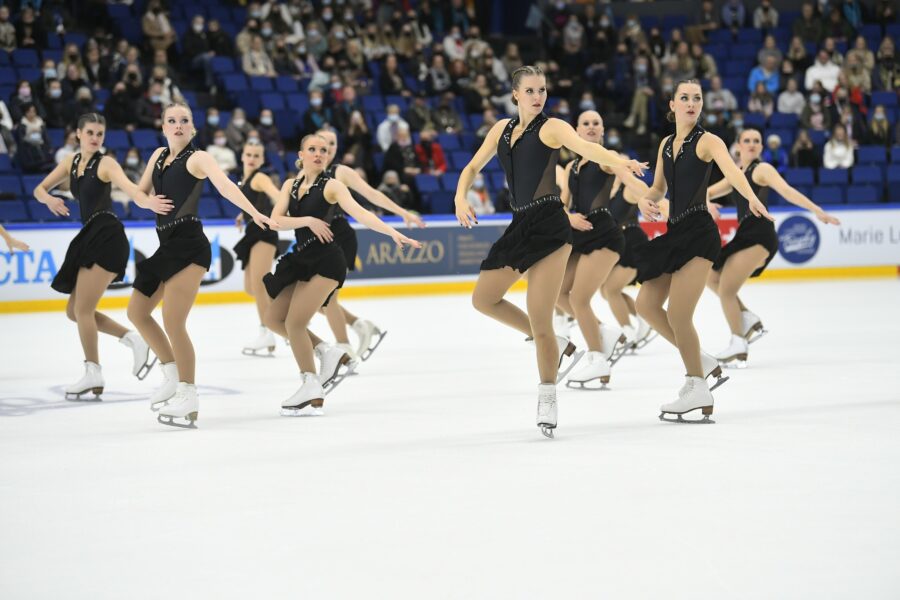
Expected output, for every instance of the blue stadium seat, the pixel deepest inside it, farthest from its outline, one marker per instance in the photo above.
(442, 202)
(272, 101)
(893, 177)
(720, 36)
(828, 194)
(378, 159)
(119, 209)
(887, 99)
(449, 180)
(222, 65)
(235, 83)
(12, 211)
(73, 37)
(140, 214)
(750, 35)
(5, 164)
(497, 181)
(229, 210)
(287, 122)
(29, 182)
(475, 121)
(863, 194)
(4, 58)
(208, 208)
(784, 120)
(261, 84)
(116, 139)
(834, 176)
(373, 103)
(818, 137)
(25, 57)
(8, 78)
(398, 100)
(894, 193)
(145, 138)
(29, 73)
(757, 120)
(459, 159)
(40, 212)
(448, 141)
(800, 176)
(895, 154)
(868, 155)
(427, 183)
(298, 102)
(286, 84)
(493, 165)
(744, 52)
(868, 174)
(11, 184)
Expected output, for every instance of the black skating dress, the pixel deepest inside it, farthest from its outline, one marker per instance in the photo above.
(626, 215)
(181, 239)
(539, 225)
(590, 187)
(252, 232)
(344, 234)
(752, 230)
(310, 257)
(691, 230)
(102, 239)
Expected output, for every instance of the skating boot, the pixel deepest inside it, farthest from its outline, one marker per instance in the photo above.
(183, 405)
(354, 357)
(735, 355)
(141, 351)
(546, 408)
(566, 348)
(612, 343)
(331, 359)
(370, 337)
(264, 342)
(645, 333)
(562, 324)
(692, 396)
(594, 368)
(752, 326)
(166, 391)
(711, 368)
(306, 401)
(91, 381)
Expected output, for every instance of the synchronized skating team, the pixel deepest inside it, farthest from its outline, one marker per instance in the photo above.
(574, 233)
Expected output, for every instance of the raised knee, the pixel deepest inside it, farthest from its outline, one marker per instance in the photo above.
(70, 312)
(644, 306)
(481, 304)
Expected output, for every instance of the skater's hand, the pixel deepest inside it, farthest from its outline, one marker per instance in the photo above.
(262, 221)
(713, 208)
(58, 206)
(826, 218)
(465, 214)
(160, 204)
(649, 209)
(239, 221)
(14, 244)
(579, 222)
(411, 218)
(759, 209)
(636, 167)
(321, 230)
(401, 240)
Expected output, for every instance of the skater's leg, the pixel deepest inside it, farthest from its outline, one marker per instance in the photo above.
(306, 300)
(612, 291)
(89, 287)
(261, 257)
(248, 286)
(276, 314)
(487, 298)
(316, 340)
(684, 293)
(349, 317)
(564, 303)
(735, 273)
(335, 315)
(140, 313)
(178, 298)
(544, 280)
(650, 302)
(590, 273)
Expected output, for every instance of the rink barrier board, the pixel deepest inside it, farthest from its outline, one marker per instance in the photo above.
(866, 245)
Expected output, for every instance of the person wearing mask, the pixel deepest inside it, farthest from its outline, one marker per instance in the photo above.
(430, 154)
(387, 130)
(814, 115)
(401, 157)
(345, 106)
(133, 166)
(838, 153)
(54, 106)
(156, 26)
(269, 135)
(643, 84)
(791, 100)
(24, 96)
(399, 192)
(256, 61)
(219, 42)
(213, 122)
(318, 115)
(418, 115)
(886, 76)
(119, 109)
(479, 197)
(223, 155)
(765, 16)
(196, 51)
(34, 146)
(7, 31)
(150, 108)
(803, 152)
(879, 131)
(237, 130)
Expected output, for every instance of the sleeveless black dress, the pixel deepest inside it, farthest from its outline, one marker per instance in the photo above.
(344, 234)
(252, 232)
(181, 239)
(626, 215)
(691, 230)
(590, 187)
(102, 239)
(752, 230)
(310, 257)
(539, 225)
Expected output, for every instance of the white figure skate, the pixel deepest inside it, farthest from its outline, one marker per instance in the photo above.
(752, 326)
(595, 368)
(370, 338)
(141, 352)
(566, 348)
(262, 345)
(546, 408)
(612, 343)
(735, 355)
(166, 391)
(334, 365)
(91, 381)
(711, 368)
(307, 401)
(693, 395)
(183, 405)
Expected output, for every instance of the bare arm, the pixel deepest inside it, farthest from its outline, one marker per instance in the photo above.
(263, 183)
(464, 213)
(630, 182)
(110, 170)
(335, 191)
(719, 189)
(766, 174)
(11, 242)
(352, 180)
(146, 182)
(649, 202)
(205, 165)
(53, 179)
(712, 147)
(556, 132)
(563, 182)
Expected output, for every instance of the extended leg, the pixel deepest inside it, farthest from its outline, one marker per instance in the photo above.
(735, 273)
(590, 273)
(544, 282)
(140, 313)
(178, 298)
(612, 291)
(89, 288)
(306, 300)
(488, 298)
(684, 293)
(650, 302)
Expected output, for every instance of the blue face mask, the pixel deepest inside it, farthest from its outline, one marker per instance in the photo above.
(613, 140)
(213, 120)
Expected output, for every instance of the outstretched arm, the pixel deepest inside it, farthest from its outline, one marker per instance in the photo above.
(11, 242)
(464, 212)
(352, 180)
(205, 165)
(557, 132)
(766, 174)
(713, 148)
(335, 191)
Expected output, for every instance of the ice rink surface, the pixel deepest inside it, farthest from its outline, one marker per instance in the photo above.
(428, 479)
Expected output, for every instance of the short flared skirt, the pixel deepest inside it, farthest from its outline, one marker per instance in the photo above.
(101, 242)
(605, 235)
(325, 260)
(752, 231)
(533, 235)
(694, 236)
(253, 235)
(179, 247)
(345, 237)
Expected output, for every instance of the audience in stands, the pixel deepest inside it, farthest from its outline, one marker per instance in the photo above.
(256, 62)
(33, 143)
(69, 147)
(775, 154)
(133, 166)
(225, 157)
(804, 153)
(156, 26)
(765, 16)
(392, 187)
(879, 133)
(430, 154)
(7, 31)
(791, 100)
(237, 130)
(823, 70)
(838, 152)
(386, 134)
(480, 198)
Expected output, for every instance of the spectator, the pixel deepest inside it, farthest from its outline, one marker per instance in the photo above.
(156, 26)
(879, 132)
(512, 60)
(133, 166)
(803, 153)
(71, 57)
(765, 16)
(770, 48)
(798, 56)
(169, 92)
(55, 106)
(29, 31)
(438, 77)
(430, 154)
(401, 157)
(386, 134)
(418, 115)
(836, 27)
(256, 62)
(862, 53)
(714, 124)
(453, 44)
(219, 42)
(887, 69)
(316, 43)
(838, 150)
(614, 140)
(787, 74)
(391, 81)
(735, 127)
(7, 31)
(269, 135)
(766, 74)
(375, 47)
(643, 86)
(34, 145)
(318, 115)
(479, 198)
(475, 47)
(830, 46)
(704, 63)
(847, 98)
(853, 124)
(321, 77)
(445, 117)
(706, 21)
(161, 61)
(219, 150)
(359, 140)
(213, 122)
(245, 35)
(718, 98)
(150, 107)
(761, 101)
(490, 119)
(494, 67)
(196, 51)
(69, 147)
(885, 12)
(73, 81)
(395, 190)
(237, 130)
(791, 100)
(809, 26)
(775, 154)
(734, 15)
(23, 97)
(119, 111)
(96, 67)
(822, 70)
(814, 116)
(858, 78)
(346, 106)
(852, 13)
(631, 32)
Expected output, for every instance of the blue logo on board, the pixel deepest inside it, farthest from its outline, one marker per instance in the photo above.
(798, 239)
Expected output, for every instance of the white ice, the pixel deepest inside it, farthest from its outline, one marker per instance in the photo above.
(428, 479)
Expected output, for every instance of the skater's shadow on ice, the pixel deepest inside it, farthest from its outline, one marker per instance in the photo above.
(22, 406)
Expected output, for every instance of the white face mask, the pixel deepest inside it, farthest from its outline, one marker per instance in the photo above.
(198, 27)
(265, 121)
(239, 122)
(219, 141)
(393, 117)
(131, 161)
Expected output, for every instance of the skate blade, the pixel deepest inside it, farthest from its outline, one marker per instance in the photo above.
(547, 430)
(78, 398)
(157, 406)
(576, 356)
(643, 343)
(145, 369)
(259, 353)
(367, 353)
(339, 376)
(679, 419)
(583, 385)
(720, 379)
(754, 334)
(734, 364)
(170, 421)
(306, 411)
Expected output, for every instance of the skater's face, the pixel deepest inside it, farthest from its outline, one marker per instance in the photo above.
(91, 137)
(178, 125)
(750, 145)
(590, 126)
(531, 94)
(314, 154)
(331, 139)
(253, 156)
(687, 103)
